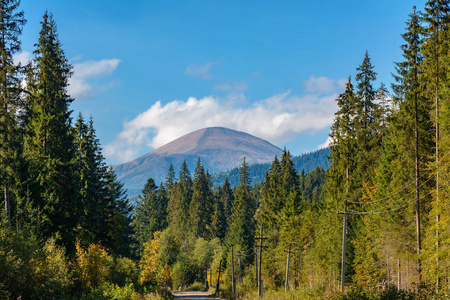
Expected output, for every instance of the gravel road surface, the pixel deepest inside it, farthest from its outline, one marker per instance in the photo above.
(191, 295)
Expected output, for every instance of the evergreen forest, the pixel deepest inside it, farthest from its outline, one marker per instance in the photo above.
(374, 225)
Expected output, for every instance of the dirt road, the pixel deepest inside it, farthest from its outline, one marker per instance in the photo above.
(191, 295)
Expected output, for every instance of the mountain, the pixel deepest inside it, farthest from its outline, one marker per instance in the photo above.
(219, 149)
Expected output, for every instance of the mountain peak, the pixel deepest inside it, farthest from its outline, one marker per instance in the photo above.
(212, 138)
(219, 149)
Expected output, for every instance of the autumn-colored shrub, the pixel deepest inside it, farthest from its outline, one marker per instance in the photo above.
(149, 264)
(93, 265)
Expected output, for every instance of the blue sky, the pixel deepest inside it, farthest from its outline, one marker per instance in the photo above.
(151, 71)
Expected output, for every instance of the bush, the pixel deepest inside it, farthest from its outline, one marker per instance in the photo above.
(123, 271)
(20, 261)
(162, 294)
(197, 286)
(93, 266)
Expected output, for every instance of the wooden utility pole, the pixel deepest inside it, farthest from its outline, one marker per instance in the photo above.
(240, 271)
(260, 283)
(286, 284)
(256, 265)
(416, 169)
(233, 282)
(344, 238)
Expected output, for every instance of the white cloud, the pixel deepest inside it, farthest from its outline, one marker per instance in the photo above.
(202, 71)
(277, 119)
(79, 85)
(326, 144)
(23, 57)
(233, 87)
(323, 85)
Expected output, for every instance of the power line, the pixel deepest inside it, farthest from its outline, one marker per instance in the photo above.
(404, 188)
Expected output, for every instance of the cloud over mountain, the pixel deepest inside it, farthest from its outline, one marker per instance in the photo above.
(277, 119)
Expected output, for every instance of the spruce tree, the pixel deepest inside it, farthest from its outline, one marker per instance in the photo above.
(170, 179)
(200, 207)
(89, 171)
(144, 219)
(343, 146)
(435, 79)
(11, 23)
(366, 126)
(179, 201)
(117, 230)
(49, 145)
(226, 197)
(241, 226)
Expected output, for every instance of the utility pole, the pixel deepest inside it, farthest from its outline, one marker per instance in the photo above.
(233, 283)
(286, 284)
(260, 283)
(416, 169)
(240, 272)
(256, 265)
(344, 238)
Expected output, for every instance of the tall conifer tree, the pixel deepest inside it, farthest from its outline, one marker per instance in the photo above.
(11, 23)
(49, 143)
(241, 227)
(200, 208)
(435, 78)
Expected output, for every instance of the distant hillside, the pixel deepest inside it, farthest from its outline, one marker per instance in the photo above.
(307, 162)
(220, 149)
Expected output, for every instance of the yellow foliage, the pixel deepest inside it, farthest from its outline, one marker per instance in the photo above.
(56, 263)
(93, 264)
(149, 261)
(166, 276)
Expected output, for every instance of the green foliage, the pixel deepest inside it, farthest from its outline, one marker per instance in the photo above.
(48, 141)
(384, 157)
(307, 162)
(11, 23)
(201, 204)
(241, 223)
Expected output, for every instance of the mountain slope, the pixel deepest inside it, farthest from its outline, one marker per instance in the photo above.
(307, 162)
(220, 149)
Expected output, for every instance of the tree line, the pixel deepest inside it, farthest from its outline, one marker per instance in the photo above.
(68, 231)
(60, 199)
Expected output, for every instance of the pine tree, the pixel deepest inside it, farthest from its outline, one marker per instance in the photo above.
(170, 179)
(144, 220)
(435, 80)
(179, 201)
(49, 145)
(117, 230)
(241, 227)
(200, 207)
(219, 218)
(103, 217)
(11, 22)
(368, 133)
(272, 200)
(343, 146)
(226, 197)
(289, 177)
(89, 171)
(161, 208)
(343, 179)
